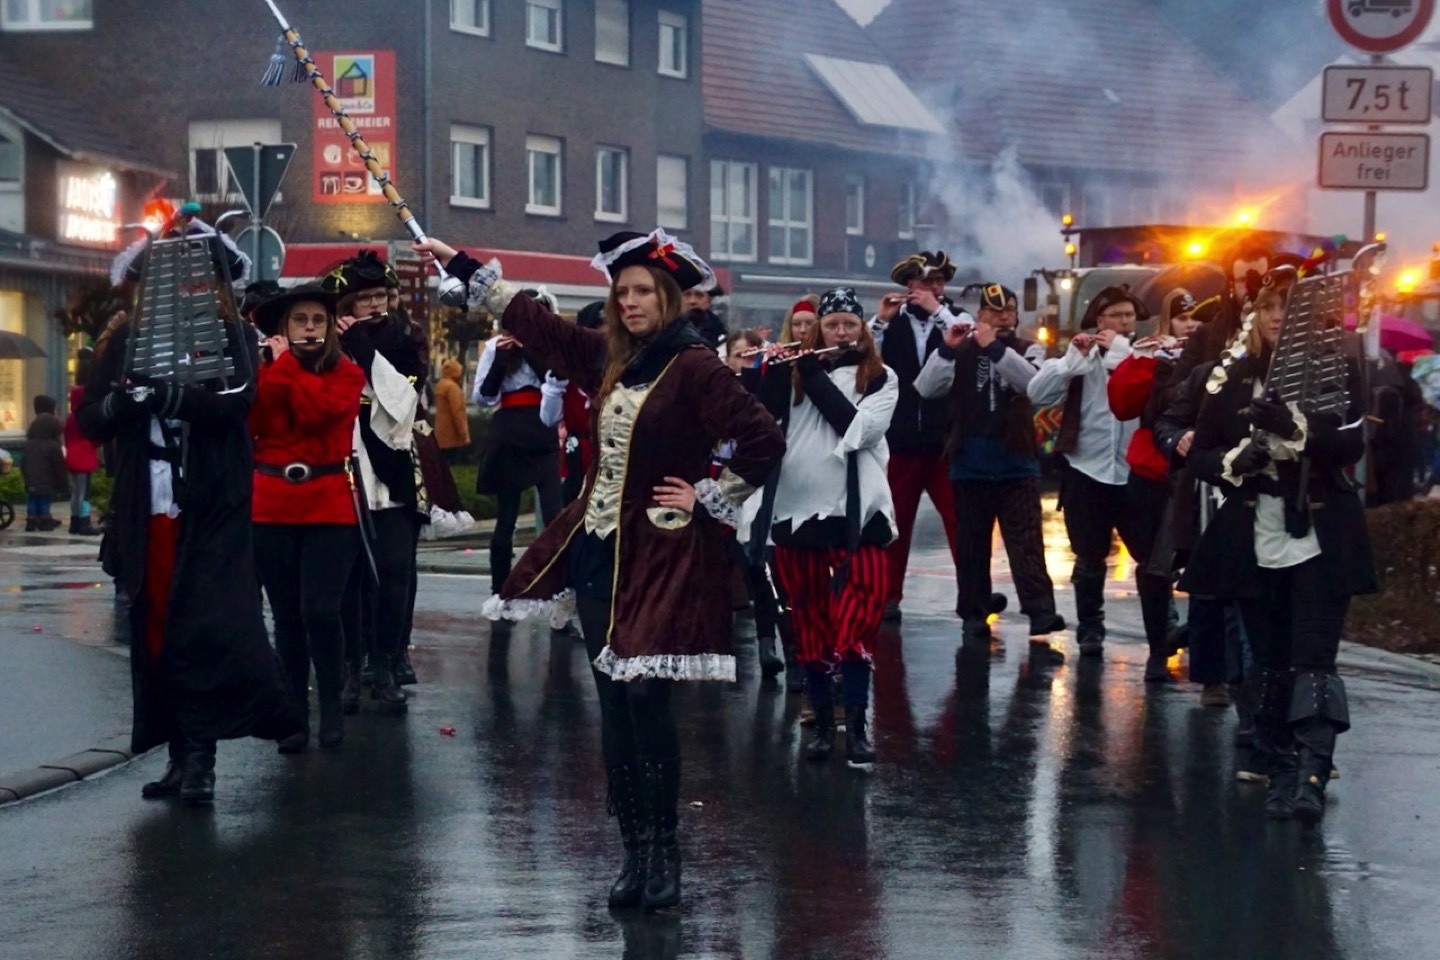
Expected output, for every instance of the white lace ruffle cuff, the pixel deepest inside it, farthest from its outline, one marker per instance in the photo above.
(709, 495)
(489, 290)
(667, 666)
(558, 609)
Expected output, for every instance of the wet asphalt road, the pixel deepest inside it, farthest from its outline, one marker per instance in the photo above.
(1022, 808)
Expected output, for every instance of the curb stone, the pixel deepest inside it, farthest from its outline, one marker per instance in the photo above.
(1388, 661)
(65, 771)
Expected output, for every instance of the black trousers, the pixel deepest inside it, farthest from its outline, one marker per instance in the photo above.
(507, 513)
(637, 717)
(1015, 505)
(1094, 513)
(298, 566)
(1296, 621)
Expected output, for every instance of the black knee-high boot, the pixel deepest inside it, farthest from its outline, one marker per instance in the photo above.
(662, 881)
(329, 681)
(1273, 740)
(1089, 587)
(628, 804)
(1319, 712)
(295, 658)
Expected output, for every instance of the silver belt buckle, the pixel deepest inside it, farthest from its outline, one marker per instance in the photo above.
(297, 472)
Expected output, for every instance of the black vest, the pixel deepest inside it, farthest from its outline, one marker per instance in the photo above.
(918, 426)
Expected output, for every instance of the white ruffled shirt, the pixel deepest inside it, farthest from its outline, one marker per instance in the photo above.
(812, 475)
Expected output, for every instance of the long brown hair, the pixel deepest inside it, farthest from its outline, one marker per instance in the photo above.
(621, 346)
(786, 334)
(871, 366)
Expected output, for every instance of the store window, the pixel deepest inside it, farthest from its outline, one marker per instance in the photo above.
(12, 372)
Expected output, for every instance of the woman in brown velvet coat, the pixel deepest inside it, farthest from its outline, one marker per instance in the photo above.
(643, 566)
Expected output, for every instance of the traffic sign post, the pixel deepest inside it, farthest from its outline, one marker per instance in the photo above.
(268, 256)
(1380, 26)
(257, 171)
(1377, 94)
(1374, 161)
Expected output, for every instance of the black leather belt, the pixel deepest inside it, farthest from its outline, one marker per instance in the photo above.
(300, 472)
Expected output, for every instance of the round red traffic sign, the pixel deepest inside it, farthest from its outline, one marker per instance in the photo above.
(1380, 26)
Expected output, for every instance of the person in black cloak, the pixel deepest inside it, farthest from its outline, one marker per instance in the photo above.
(201, 662)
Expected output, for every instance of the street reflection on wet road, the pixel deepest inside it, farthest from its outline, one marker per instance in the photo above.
(1026, 805)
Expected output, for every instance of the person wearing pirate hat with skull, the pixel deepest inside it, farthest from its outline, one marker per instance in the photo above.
(982, 373)
(908, 329)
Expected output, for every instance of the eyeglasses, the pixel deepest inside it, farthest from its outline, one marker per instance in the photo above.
(372, 296)
(1127, 315)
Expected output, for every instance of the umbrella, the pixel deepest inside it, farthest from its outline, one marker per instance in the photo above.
(1397, 334)
(17, 346)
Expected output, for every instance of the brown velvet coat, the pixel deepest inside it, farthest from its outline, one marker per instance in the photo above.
(672, 593)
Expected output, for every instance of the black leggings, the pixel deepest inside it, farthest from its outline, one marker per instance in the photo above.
(507, 513)
(637, 719)
(303, 567)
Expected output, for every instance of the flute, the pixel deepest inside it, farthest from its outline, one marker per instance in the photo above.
(756, 351)
(847, 345)
(1167, 343)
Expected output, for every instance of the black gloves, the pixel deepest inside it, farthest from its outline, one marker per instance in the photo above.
(1273, 416)
(120, 407)
(809, 366)
(358, 344)
(1252, 459)
(164, 400)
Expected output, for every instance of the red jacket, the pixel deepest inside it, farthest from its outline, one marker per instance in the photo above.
(304, 417)
(1129, 391)
(80, 455)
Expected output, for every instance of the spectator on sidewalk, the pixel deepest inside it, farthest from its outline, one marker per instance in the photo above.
(452, 423)
(81, 460)
(43, 465)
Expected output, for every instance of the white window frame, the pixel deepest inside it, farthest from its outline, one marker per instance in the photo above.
(623, 214)
(544, 145)
(481, 8)
(905, 230)
(464, 135)
(855, 228)
(682, 164)
(622, 9)
(558, 44)
(677, 22)
(720, 214)
(217, 135)
(34, 20)
(14, 135)
(778, 182)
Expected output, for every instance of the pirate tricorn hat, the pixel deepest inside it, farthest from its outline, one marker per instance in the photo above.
(657, 249)
(922, 266)
(364, 271)
(270, 313)
(1106, 299)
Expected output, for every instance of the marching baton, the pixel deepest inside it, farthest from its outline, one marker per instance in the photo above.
(305, 69)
